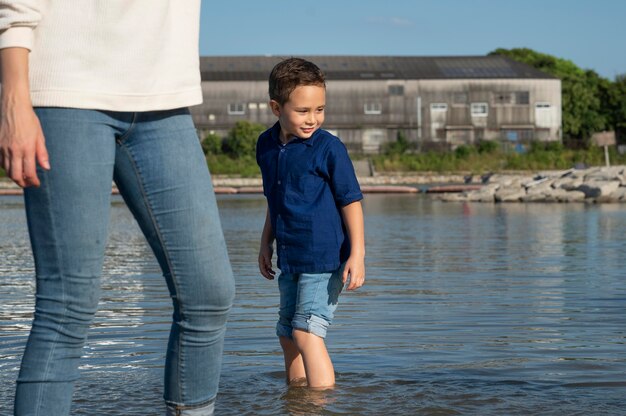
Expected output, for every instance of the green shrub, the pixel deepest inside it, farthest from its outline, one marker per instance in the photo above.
(212, 144)
(245, 166)
(242, 138)
(399, 147)
(487, 146)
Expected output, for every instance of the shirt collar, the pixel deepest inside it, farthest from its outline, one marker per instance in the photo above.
(307, 142)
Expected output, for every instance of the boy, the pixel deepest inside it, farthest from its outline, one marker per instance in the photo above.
(314, 213)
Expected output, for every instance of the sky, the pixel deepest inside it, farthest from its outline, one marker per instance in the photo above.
(590, 33)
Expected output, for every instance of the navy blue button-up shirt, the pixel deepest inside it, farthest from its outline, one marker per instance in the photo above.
(306, 182)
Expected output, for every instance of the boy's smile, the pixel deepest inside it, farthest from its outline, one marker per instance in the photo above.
(302, 114)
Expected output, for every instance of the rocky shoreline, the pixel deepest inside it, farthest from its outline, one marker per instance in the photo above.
(593, 185)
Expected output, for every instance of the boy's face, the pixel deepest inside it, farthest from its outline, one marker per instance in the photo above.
(303, 113)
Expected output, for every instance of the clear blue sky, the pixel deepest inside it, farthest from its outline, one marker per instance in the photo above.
(591, 33)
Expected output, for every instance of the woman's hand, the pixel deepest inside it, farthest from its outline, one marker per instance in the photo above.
(22, 143)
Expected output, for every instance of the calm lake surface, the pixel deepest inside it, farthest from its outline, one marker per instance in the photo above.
(468, 309)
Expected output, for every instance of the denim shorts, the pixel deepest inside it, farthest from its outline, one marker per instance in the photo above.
(308, 301)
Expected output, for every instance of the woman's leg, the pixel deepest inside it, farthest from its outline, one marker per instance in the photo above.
(67, 220)
(162, 174)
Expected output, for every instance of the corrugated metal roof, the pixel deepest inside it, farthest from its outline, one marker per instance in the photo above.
(257, 68)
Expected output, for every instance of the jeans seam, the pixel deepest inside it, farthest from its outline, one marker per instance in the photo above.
(46, 190)
(126, 134)
(163, 246)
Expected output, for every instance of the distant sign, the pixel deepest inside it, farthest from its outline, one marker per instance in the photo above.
(605, 138)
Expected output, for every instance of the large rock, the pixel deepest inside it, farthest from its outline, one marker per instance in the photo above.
(568, 183)
(605, 174)
(510, 195)
(562, 195)
(619, 194)
(534, 198)
(597, 188)
(541, 188)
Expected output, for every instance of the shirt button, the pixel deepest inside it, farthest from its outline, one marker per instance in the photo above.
(279, 182)
(282, 150)
(283, 247)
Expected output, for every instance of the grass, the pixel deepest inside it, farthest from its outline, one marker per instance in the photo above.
(471, 159)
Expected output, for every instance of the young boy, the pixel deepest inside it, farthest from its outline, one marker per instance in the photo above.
(314, 213)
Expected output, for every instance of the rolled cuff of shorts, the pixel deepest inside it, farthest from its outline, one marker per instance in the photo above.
(283, 330)
(312, 324)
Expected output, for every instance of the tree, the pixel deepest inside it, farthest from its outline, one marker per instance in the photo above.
(242, 138)
(585, 95)
(617, 98)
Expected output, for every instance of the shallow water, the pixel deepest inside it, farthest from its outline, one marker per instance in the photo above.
(509, 309)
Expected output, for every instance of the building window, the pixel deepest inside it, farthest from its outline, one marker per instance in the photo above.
(262, 106)
(502, 98)
(516, 135)
(480, 109)
(373, 108)
(211, 117)
(543, 106)
(252, 106)
(514, 98)
(236, 109)
(522, 97)
(439, 107)
(396, 90)
(459, 98)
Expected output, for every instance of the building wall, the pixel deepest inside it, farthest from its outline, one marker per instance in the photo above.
(368, 113)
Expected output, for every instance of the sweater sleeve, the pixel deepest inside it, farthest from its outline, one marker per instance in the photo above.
(18, 18)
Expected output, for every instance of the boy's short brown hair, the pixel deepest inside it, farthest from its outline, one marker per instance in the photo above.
(291, 73)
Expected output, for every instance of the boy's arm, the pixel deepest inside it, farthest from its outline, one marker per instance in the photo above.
(267, 250)
(355, 265)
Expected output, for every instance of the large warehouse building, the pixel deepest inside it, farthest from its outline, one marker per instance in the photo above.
(433, 101)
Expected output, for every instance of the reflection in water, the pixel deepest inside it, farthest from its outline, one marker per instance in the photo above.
(468, 309)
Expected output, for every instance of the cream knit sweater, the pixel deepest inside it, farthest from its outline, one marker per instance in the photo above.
(121, 55)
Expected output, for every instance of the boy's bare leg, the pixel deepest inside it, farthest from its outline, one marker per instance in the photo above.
(317, 365)
(294, 366)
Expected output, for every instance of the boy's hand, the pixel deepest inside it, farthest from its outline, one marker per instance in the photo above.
(265, 262)
(355, 268)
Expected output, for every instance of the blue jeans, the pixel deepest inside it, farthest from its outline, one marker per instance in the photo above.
(308, 302)
(157, 163)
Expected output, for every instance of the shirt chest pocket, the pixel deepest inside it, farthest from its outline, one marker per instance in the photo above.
(304, 186)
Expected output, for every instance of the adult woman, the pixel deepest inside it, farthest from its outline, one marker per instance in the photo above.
(102, 96)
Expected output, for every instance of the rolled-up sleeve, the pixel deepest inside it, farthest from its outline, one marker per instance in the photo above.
(17, 21)
(343, 181)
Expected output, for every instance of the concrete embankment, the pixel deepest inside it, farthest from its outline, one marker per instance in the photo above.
(229, 185)
(593, 185)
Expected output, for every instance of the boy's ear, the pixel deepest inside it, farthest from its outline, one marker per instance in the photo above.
(275, 107)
